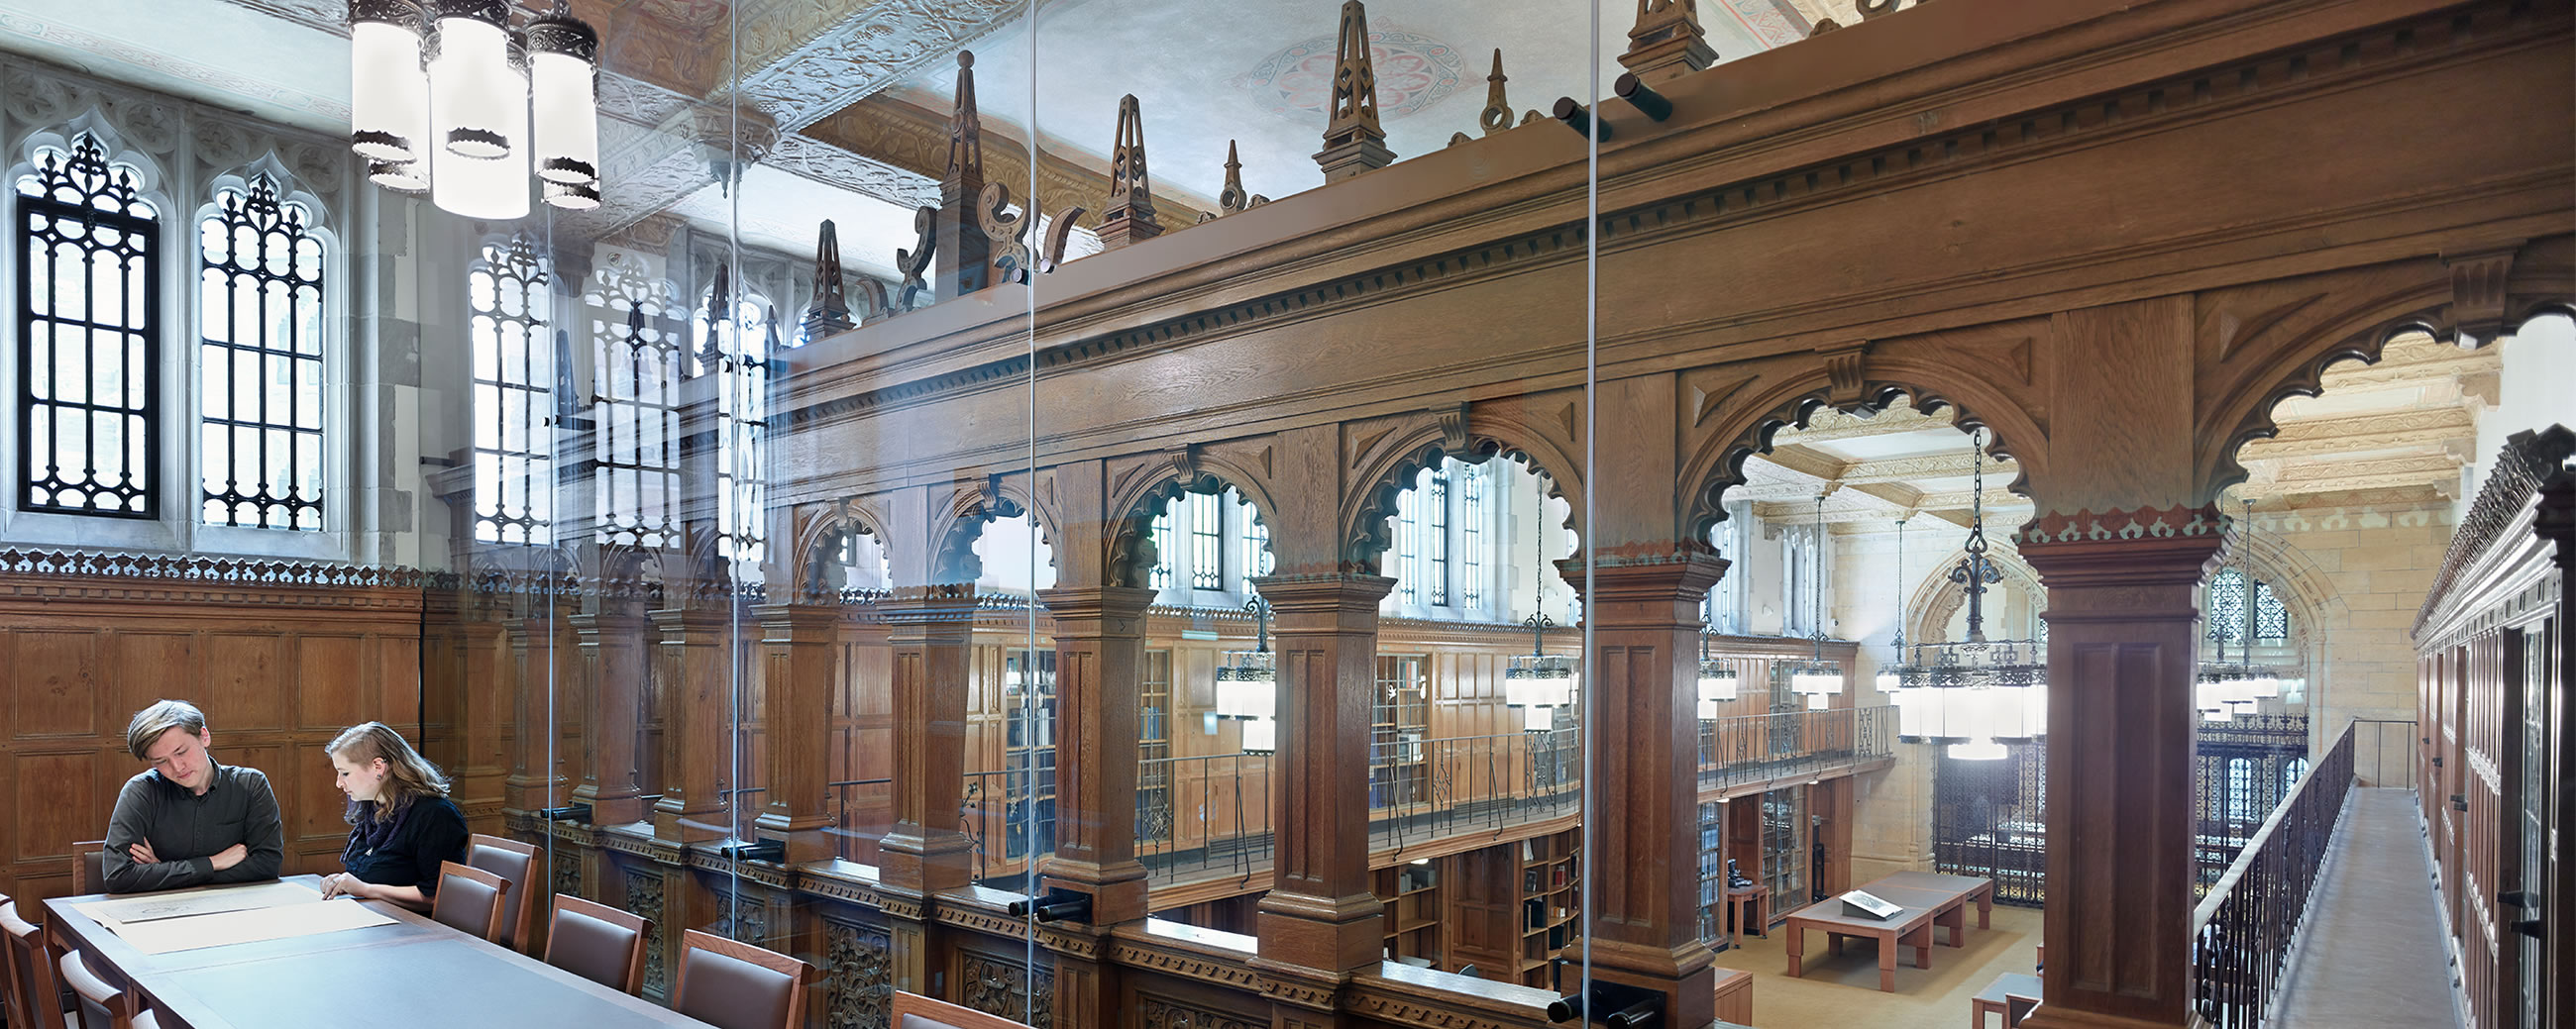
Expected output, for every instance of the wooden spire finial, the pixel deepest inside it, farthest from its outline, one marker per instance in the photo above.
(1232, 198)
(961, 249)
(1353, 140)
(830, 310)
(1667, 42)
(1129, 217)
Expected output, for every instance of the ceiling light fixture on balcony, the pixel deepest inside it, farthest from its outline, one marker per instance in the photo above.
(1247, 686)
(1540, 682)
(1817, 679)
(449, 100)
(2228, 688)
(1717, 679)
(1977, 694)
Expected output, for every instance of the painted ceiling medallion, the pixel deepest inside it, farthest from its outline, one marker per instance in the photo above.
(1414, 71)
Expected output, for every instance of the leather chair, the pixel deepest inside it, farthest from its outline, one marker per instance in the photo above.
(518, 863)
(471, 900)
(37, 996)
(147, 1020)
(89, 871)
(598, 943)
(101, 1006)
(738, 986)
(914, 1011)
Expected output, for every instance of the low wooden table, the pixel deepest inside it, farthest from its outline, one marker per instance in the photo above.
(1911, 927)
(336, 979)
(1742, 898)
(1999, 997)
(1928, 900)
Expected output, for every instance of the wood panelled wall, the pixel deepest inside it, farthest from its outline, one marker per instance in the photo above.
(2495, 660)
(279, 668)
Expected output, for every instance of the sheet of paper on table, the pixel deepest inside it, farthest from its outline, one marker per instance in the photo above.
(153, 907)
(250, 926)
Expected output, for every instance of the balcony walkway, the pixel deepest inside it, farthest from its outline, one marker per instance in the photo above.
(2373, 953)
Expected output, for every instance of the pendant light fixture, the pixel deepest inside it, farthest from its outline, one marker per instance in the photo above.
(1977, 694)
(1717, 679)
(1247, 686)
(1888, 682)
(1817, 679)
(2228, 688)
(448, 99)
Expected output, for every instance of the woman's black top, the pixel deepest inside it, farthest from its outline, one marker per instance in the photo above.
(407, 849)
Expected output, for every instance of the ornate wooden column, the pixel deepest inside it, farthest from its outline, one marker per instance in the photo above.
(931, 630)
(1100, 653)
(1644, 776)
(613, 658)
(2124, 640)
(698, 724)
(534, 779)
(490, 663)
(800, 644)
(1320, 920)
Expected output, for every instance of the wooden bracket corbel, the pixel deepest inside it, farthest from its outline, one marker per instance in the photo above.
(1845, 386)
(1453, 429)
(2478, 284)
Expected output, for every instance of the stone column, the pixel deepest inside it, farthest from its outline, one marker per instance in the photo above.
(800, 643)
(1320, 921)
(697, 726)
(1643, 670)
(613, 657)
(931, 630)
(1100, 653)
(2124, 640)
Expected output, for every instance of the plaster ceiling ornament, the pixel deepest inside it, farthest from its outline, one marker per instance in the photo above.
(692, 15)
(1414, 71)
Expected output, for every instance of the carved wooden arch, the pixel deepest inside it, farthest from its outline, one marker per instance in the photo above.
(1932, 603)
(1473, 435)
(1748, 425)
(816, 543)
(1190, 469)
(2481, 294)
(959, 518)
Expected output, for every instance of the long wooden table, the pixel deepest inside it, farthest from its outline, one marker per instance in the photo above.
(1929, 901)
(338, 979)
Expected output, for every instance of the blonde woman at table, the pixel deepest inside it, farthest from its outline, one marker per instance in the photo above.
(401, 823)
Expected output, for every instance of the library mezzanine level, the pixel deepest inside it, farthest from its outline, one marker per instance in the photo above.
(1688, 513)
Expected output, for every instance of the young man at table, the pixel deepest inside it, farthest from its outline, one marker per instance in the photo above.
(187, 820)
(402, 826)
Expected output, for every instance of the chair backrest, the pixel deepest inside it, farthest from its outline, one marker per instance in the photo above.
(598, 943)
(39, 997)
(89, 872)
(470, 900)
(738, 986)
(8, 972)
(516, 862)
(101, 1006)
(147, 1020)
(914, 1011)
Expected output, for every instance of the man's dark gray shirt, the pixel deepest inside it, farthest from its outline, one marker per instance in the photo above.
(186, 831)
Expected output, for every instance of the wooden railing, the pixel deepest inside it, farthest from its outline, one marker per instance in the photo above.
(2242, 930)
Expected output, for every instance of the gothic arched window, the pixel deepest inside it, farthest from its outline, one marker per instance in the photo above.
(259, 360)
(635, 477)
(89, 355)
(510, 313)
(2227, 602)
(734, 337)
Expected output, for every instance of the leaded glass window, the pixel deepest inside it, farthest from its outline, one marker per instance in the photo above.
(1255, 539)
(1167, 547)
(259, 361)
(734, 339)
(2227, 610)
(510, 312)
(1435, 533)
(2271, 618)
(88, 335)
(1474, 482)
(1408, 545)
(1207, 542)
(635, 480)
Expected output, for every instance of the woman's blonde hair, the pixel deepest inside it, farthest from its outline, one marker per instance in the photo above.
(408, 777)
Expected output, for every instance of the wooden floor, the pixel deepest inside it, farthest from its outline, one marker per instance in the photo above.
(1842, 990)
(2373, 955)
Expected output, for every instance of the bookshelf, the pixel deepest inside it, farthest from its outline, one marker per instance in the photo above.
(1712, 876)
(1551, 869)
(1411, 894)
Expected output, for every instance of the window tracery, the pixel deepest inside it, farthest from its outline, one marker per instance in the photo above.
(261, 399)
(510, 312)
(89, 308)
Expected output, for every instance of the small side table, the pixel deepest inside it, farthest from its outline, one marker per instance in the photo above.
(1747, 904)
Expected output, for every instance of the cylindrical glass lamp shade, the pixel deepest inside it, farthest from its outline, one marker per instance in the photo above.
(400, 176)
(1979, 750)
(572, 196)
(1819, 701)
(1888, 682)
(388, 88)
(562, 55)
(493, 190)
(1716, 683)
(473, 88)
(1260, 736)
(1536, 718)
